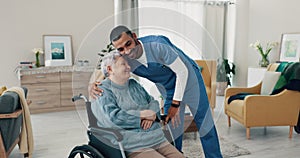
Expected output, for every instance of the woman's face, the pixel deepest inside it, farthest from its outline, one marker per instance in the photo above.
(121, 69)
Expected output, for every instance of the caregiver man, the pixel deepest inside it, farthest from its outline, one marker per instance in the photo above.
(178, 79)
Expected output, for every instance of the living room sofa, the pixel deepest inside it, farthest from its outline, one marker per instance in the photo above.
(10, 121)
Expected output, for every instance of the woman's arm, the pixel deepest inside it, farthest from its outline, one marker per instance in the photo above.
(108, 113)
(152, 104)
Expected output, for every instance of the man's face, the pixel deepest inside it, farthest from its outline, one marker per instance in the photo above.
(128, 46)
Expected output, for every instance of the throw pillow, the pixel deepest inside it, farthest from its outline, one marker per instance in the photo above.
(269, 81)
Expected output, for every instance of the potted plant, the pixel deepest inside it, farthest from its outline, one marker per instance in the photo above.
(103, 52)
(264, 52)
(225, 72)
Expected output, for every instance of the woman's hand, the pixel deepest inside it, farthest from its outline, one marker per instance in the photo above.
(148, 115)
(146, 124)
(94, 90)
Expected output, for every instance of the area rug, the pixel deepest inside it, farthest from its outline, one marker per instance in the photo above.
(192, 147)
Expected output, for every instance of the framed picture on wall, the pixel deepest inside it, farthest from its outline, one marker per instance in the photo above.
(290, 47)
(58, 50)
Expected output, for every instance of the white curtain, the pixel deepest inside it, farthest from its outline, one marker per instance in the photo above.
(175, 19)
(214, 22)
(126, 13)
(220, 22)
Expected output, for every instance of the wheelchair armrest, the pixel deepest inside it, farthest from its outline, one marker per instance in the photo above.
(163, 117)
(97, 130)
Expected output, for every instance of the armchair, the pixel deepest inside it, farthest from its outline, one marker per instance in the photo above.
(10, 122)
(258, 110)
(209, 72)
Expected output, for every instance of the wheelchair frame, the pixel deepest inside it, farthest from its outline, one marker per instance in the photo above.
(91, 149)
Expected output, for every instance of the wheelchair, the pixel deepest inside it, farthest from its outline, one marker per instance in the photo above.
(297, 127)
(100, 147)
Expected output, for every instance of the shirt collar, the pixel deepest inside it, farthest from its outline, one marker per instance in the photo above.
(143, 58)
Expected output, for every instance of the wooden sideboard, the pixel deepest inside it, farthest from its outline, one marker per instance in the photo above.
(51, 88)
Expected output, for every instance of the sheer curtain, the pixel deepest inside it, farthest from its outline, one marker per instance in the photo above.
(126, 13)
(214, 20)
(220, 22)
(173, 18)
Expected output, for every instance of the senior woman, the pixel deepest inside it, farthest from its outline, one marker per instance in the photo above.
(125, 105)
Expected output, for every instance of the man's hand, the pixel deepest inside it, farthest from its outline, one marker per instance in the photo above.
(146, 124)
(94, 90)
(173, 114)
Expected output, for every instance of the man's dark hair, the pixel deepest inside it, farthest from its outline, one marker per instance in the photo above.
(116, 32)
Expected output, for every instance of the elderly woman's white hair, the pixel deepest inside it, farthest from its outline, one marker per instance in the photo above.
(109, 60)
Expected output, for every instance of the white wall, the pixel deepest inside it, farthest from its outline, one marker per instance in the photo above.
(241, 42)
(263, 20)
(269, 19)
(23, 23)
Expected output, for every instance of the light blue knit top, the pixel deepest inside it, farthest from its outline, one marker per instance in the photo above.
(119, 108)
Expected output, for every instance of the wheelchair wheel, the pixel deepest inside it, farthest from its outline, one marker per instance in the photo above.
(297, 129)
(85, 151)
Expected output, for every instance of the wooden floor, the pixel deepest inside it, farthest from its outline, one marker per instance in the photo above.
(57, 133)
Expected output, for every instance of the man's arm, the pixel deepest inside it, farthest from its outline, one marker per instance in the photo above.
(181, 72)
(170, 58)
(95, 80)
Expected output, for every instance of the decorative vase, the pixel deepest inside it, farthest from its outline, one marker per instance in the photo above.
(37, 60)
(220, 88)
(264, 62)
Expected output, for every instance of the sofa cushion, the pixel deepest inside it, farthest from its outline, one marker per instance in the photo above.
(9, 102)
(10, 128)
(237, 107)
(269, 81)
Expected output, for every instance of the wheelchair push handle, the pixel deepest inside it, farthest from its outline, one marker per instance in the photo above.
(78, 97)
(163, 117)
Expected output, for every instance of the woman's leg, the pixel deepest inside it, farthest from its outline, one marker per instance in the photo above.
(164, 150)
(145, 154)
(169, 151)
